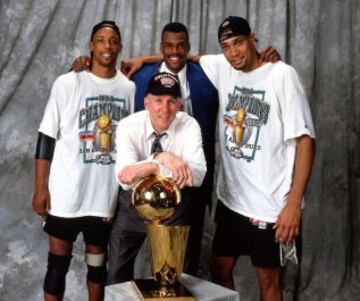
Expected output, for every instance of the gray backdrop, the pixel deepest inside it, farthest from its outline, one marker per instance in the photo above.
(40, 38)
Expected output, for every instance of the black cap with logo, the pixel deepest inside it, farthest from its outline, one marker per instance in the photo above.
(164, 83)
(233, 26)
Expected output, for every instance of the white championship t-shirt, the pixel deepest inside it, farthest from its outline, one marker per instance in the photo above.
(260, 114)
(82, 115)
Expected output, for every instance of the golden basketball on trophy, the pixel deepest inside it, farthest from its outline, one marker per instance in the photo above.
(156, 199)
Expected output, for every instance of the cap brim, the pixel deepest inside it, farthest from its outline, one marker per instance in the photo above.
(160, 91)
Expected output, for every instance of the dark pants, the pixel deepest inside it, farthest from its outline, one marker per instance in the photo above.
(128, 234)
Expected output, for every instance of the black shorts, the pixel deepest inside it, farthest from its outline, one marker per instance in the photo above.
(238, 235)
(94, 229)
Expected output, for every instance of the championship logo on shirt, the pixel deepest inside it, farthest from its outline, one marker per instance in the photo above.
(245, 114)
(97, 127)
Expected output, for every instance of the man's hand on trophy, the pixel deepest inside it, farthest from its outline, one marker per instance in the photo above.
(181, 171)
(41, 201)
(81, 63)
(131, 174)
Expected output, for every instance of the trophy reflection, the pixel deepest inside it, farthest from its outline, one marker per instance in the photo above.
(156, 198)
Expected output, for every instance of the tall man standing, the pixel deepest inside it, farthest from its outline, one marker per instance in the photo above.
(267, 149)
(200, 100)
(76, 143)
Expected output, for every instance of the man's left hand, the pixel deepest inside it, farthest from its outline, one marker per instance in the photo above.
(181, 171)
(288, 223)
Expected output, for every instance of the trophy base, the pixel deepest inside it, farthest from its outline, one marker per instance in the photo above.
(149, 290)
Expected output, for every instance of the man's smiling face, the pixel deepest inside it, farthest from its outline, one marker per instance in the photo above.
(175, 48)
(105, 46)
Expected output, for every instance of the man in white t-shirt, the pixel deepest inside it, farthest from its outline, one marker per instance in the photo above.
(75, 188)
(267, 149)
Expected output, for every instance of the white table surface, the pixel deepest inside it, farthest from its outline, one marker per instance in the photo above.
(201, 289)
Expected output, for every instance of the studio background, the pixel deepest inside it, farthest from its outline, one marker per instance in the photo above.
(39, 39)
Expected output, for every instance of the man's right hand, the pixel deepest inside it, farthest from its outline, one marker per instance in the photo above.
(41, 201)
(81, 63)
(269, 54)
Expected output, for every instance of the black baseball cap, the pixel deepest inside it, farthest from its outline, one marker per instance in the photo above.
(164, 83)
(233, 26)
(105, 23)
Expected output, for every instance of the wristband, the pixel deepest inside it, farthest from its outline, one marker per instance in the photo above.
(45, 147)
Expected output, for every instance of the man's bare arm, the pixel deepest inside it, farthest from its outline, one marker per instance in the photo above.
(288, 222)
(131, 65)
(129, 175)
(41, 197)
(269, 54)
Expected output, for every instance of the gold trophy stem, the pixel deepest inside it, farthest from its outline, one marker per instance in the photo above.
(168, 247)
(104, 125)
(238, 126)
(105, 142)
(156, 198)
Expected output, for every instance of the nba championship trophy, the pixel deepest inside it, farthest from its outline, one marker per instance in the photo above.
(156, 198)
(104, 125)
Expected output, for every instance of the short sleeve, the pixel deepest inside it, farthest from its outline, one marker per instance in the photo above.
(295, 109)
(50, 123)
(211, 65)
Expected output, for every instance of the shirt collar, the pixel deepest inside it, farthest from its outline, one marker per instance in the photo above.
(181, 74)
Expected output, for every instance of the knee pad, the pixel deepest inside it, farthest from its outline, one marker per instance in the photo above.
(57, 268)
(96, 267)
